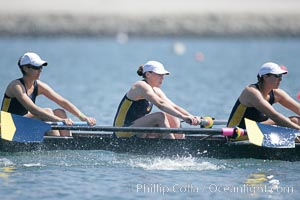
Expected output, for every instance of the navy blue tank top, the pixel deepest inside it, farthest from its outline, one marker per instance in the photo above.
(12, 105)
(240, 112)
(128, 111)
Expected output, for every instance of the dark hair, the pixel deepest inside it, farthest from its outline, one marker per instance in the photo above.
(21, 66)
(19, 61)
(140, 71)
(260, 78)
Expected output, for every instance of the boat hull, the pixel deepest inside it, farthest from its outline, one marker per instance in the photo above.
(213, 147)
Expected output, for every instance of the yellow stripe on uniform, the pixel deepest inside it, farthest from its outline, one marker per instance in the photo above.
(6, 103)
(236, 120)
(254, 133)
(123, 112)
(121, 118)
(8, 127)
(237, 116)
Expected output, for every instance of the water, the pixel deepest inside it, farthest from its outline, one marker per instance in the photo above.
(106, 175)
(94, 73)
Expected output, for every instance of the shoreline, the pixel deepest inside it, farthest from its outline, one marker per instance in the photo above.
(198, 18)
(174, 25)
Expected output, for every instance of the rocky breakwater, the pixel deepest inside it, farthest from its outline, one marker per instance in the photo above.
(177, 19)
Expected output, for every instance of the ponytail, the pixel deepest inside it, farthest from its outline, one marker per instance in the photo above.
(140, 71)
(260, 79)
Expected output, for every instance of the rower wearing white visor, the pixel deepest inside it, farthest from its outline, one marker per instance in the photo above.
(256, 100)
(20, 96)
(135, 107)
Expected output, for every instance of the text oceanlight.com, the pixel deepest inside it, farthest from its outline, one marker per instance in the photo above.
(213, 188)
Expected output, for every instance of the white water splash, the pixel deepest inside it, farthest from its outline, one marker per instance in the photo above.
(4, 162)
(185, 164)
(33, 165)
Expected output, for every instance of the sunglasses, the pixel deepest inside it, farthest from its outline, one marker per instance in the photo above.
(35, 68)
(276, 75)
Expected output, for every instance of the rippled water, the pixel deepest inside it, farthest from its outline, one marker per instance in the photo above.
(105, 175)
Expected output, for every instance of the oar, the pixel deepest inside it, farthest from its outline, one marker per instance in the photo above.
(222, 131)
(270, 136)
(21, 129)
(208, 122)
(62, 124)
(220, 122)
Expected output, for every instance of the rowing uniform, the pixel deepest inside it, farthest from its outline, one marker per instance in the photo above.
(240, 112)
(12, 105)
(129, 111)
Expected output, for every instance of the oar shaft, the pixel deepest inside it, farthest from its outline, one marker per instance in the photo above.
(222, 131)
(220, 122)
(215, 122)
(63, 124)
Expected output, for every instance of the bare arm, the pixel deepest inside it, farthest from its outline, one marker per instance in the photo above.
(64, 103)
(285, 100)
(162, 95)
(142, 90)
(57, 98)
(253, 98)
(16, 90)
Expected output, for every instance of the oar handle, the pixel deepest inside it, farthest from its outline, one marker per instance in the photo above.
(208, 122)
(63, 124)
(205, 122)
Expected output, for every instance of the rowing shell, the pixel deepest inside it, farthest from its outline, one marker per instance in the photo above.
(207, 142)
(197, 146)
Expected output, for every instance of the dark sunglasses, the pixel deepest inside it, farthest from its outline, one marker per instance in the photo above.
(35, 68)
(276, 75)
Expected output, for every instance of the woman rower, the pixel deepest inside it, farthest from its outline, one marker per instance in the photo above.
(136, 105)
(256, 100)
(20, 95)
